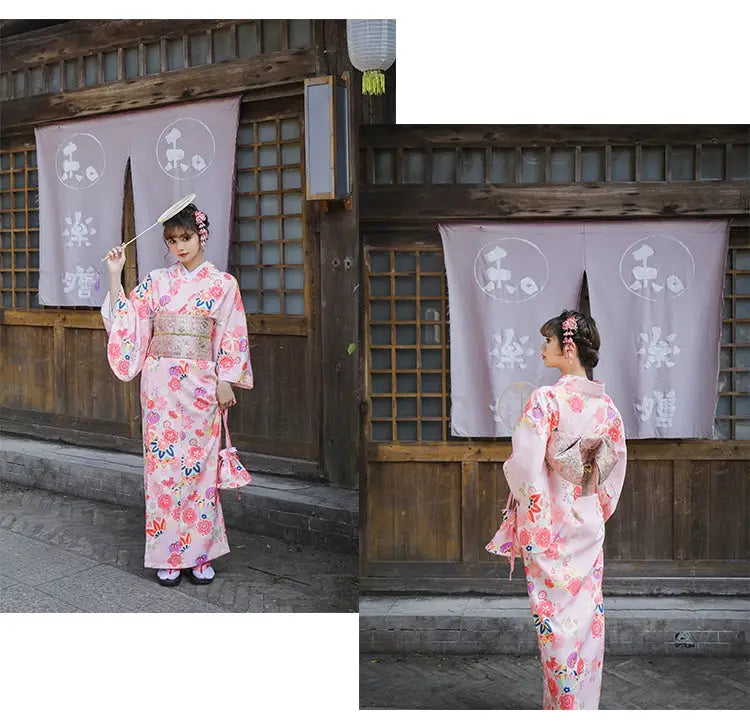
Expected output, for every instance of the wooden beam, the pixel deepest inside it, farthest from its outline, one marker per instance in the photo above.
(278, 325)
(106, 435)
(116, 436)
(406, 234)
(541, 135)
(58, 370)
(286, 67)
(60, 420)
(276, 102)
(614, 585)
(595, 200)
(340, 292)
(622, 577)
(62, 319)
(12, 28)
(494, 451)
(79, 37)
(256, 323)
(727, 568)
(469, 495)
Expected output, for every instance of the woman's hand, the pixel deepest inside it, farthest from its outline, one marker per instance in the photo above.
(116, 260)
(225, 395)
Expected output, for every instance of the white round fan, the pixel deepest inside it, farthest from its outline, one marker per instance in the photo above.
(512, 401)
(169, 212)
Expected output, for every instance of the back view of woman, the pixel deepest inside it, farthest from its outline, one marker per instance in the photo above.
(566, 472)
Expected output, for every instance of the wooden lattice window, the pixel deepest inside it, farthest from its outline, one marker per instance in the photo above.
(173, 52)
(407, 345)
(555, 165)
(19, 229)
(408, 356)
(268, 254)
(733, 411)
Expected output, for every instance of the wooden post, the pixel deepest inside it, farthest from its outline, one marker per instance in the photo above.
(340, 291)
(130, 281)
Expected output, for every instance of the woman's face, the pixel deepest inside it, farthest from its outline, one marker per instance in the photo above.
(552, 354)
(185, 245)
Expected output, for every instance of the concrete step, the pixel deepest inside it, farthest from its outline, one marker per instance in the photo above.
(288, 508)
(709, 626)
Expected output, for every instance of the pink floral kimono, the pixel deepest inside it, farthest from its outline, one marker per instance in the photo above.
(183, 331)
(567, 471)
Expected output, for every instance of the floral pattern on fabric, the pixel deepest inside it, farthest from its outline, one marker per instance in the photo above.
(561, 535)
(180, 414)
(534, 510)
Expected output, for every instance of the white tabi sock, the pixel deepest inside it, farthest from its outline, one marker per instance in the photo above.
(168, 574)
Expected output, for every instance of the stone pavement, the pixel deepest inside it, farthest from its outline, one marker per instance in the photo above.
(66, 554)
(507, 682)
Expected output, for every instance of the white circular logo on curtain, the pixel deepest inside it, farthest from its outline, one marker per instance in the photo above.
(80, 161)
(512, 270)
(186, 148)
(657, 267)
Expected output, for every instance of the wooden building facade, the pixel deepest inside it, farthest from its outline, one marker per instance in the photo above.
(432, 501)
(297, 267)
(315, 281)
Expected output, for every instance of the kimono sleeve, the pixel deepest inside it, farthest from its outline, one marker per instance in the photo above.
(610, 489)
(526, 472)
(129, 327)
(230, 335)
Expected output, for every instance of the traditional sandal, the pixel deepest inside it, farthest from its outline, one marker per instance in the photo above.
(197, 579)
(169, 582)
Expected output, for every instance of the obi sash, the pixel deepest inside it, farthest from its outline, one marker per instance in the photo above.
(586, 461)
(181, 336)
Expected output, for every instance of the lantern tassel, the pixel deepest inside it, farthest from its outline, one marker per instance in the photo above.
(373, 83)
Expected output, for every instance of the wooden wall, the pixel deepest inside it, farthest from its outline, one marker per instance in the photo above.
(57, 385)
(681, 525)
(56, 376)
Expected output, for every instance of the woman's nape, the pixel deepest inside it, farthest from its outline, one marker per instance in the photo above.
(567, 363)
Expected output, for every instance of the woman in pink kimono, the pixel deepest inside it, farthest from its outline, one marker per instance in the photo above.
(184, 330)
(566, 473)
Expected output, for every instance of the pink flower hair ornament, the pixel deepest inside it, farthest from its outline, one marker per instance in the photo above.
(200, 221)
(569, 327)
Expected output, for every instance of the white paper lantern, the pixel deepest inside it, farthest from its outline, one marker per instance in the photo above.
(372, 50)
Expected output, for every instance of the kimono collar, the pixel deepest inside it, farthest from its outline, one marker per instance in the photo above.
(582, 385)
(183, 272)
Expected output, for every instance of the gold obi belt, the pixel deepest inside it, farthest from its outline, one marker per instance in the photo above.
(182, 337)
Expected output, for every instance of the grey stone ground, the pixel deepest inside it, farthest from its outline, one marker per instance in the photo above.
(295, 509)
(507, 682)
(66, 554)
